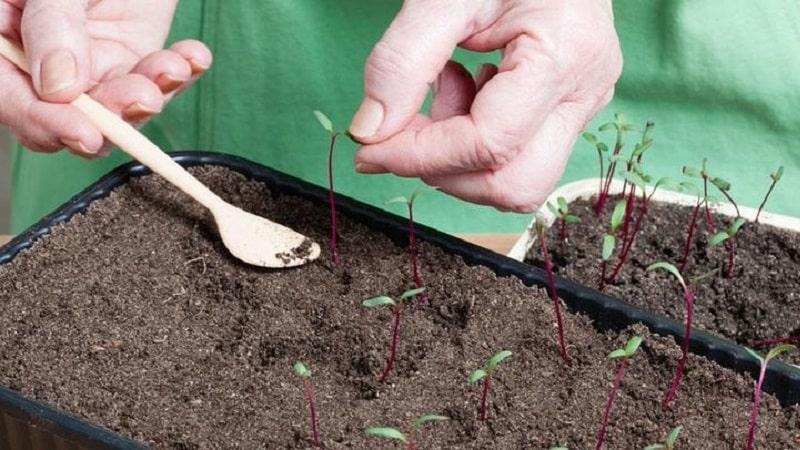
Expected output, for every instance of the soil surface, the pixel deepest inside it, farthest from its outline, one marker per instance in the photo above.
(759, 301)
(133, 316)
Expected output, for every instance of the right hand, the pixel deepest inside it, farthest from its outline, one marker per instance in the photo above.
(109, 49)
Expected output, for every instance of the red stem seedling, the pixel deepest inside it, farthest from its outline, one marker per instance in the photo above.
(397, 308)
(622, 355)
(723, 186)
(688, 296)
(728, 235)
(412, 235)
(692, 222)
(776, 341)
(564, 217)
(541, 233)
(328, 126)
(634, 166)
(610, 240)
(669, 442)
(601, 148)
(411, 439)
(621, 126)
(302, 371)
(485, 374)
(774, 352)
(775, 178)
(702, 174)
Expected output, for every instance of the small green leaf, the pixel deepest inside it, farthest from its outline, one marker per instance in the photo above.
(400, 199)
(777, 175)
(477, 375)
(735, 226)
(655, 447)
(618, 353)
(633, 345)
(775, 351)
(421, 190)
(324, 121)
(553, 210)
(618, 215)
(609, 241)
(673, 435)
(429, 418)
(635, 179)
(755, 354)
(301, 370)
(721, 184)
(692, 172)
(668, 183)
(607, 126)
(669, 268)
(572, 219)
(562, 205)
(718, 238)
(691, 187)
(378, 301)
(497, 359)
(386, 432)
(591, 139)
(411, 293)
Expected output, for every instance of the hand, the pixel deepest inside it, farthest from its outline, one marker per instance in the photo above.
(502, 138)
(111, 49)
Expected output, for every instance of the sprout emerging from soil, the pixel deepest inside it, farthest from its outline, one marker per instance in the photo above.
(302, 371)
(775, 178)
(485, 374)
(397, 435)
(622, 355)
(729, 236)
(412, 237)
(610, 240)
(669, 442)
(564, 217)
(397, 307)
(773, 353)
(541, 232)
(328, 126)
(622, 127)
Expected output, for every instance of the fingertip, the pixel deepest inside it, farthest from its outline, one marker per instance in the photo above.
(367, 121)
(196, 53)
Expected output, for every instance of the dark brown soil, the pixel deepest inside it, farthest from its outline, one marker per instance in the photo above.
(134, 317)
(761, 299)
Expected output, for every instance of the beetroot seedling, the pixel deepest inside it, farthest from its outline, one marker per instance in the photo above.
(729, 236)
(724, 186)
(564, 217)
(622, 127)
(328, 126)
(669, 442)
(775, 178)
(541, 233)
(622, 355)
(773, 353)
(601, 149)
(610, 240)
(687, 186)
(397, 308)
(702, 174)
(302, 371)
(412, 236)
(411, 439)
(485, 375)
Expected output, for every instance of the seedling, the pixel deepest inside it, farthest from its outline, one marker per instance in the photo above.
(541, 232)
(485, 374)
(773, 353)
(728, 235)
(397, 435)
(692, 221)
(622, 127)
(397, 307)
(724, 186)
(302, 371)
(775, 178)
(610, 239)
(412, 239)
(634, 167)
(601, 149)
(622, 355)
(669, 442)
(702, 174)
(688, 296)
(328, 126)
(564, 217)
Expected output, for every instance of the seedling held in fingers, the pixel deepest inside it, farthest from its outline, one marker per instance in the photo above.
(397, 307)
(541, 232)
(622, 355)
(773, 353)
(411, 439)
(485, 374)
(775, 178)
(564, 217)
(412, 237)
(669, 442)
(728, 235)
(302, 371)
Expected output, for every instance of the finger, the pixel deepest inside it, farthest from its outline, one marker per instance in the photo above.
(57, 48)
(453, 92)
(405, 62)
(166, 68)
(133, 96)
(10, 20)
(196, 53)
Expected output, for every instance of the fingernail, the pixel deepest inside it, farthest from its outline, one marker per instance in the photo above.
(167, 83)
(369, 168)
(59, 71)
(136, 112)
(197, 67)
(77, 146)
(368, 119)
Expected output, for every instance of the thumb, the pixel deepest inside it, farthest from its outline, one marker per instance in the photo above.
(402, 65)
(57, 48)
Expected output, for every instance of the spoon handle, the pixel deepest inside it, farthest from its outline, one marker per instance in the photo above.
(128, 138)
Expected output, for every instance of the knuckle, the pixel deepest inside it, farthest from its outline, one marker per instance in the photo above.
(386, 60)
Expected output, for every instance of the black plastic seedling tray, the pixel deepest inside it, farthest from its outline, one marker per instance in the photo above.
(28, 424)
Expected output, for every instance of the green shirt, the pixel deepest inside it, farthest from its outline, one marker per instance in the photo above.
(719, 82)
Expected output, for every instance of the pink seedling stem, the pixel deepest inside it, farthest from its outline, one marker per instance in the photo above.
(688, 296)
(328, 126)
(623, 355)
(564, 217)
(751, 432)
(621, 126)
(776, 341)
(397, 309)
(692, 222)
(728, 235)
(305, 375)
(412, 236)
(775, 178)
(541, 231)
(485, 375)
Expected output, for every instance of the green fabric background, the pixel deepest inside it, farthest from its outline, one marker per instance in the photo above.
(720, 80)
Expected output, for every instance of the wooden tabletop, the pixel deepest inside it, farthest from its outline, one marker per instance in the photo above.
(500, 243)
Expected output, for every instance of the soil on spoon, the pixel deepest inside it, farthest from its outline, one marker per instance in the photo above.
(134, 317)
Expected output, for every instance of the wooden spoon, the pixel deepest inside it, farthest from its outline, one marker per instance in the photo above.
(251, 238)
